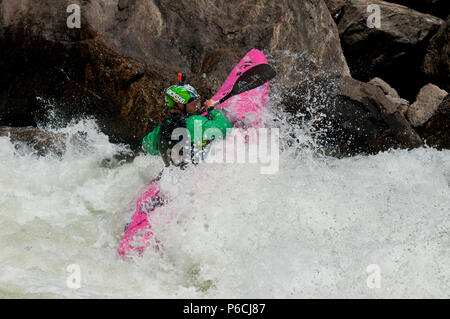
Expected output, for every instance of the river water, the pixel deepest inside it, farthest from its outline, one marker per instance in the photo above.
(320, 227)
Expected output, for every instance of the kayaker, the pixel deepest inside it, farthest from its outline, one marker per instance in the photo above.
(185, 108)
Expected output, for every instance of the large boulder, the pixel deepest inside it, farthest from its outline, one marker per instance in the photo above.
(352, 117)
(46, 66)
(395, 51)
(438, 8)
(436, 131)
(401, 104)
(385, 87)
(117, 65)
(436, 64)
(426, 104)
(207, 37)
(369, 120)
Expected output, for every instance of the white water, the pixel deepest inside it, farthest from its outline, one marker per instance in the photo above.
(310, 230)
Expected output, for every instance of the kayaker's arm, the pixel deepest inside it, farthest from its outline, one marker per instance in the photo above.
(150, 142)
(209, 103)
(216, 120)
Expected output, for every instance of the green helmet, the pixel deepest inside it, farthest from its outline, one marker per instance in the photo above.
(180, 94)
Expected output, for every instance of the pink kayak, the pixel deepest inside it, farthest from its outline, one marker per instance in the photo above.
(243, 110)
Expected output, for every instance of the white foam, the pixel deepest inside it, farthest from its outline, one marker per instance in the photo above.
(310, 230)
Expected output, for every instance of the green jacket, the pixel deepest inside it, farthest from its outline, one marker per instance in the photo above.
(216, 121)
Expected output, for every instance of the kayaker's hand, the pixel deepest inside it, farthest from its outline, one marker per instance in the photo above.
(209, 103)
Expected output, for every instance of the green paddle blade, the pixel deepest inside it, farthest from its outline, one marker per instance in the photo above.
(250, 79)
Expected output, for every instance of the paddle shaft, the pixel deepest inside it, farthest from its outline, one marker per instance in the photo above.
(249, 80)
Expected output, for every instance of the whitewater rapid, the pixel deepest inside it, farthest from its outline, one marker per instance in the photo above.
(310, 230)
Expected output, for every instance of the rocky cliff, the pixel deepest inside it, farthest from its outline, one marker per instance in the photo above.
(116, 66)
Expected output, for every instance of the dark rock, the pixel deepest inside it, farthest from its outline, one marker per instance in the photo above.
(353, 117)
(78, 78)
(370, 120)
(436, 65)
(402, 105)
(387, 89)
(126, 53)
(34, 140)
(394, 52)
(436, 131)
(438, 8)
(17, 120)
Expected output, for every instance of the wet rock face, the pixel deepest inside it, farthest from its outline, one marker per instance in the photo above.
(395, 51)
(117, 65)
(368, 121)
(408, 50)
(33, 140)
(357, 117)
(127, 52)
(47, 66)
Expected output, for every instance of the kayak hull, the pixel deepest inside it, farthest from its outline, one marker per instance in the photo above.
(245, 109)
(138, 234)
